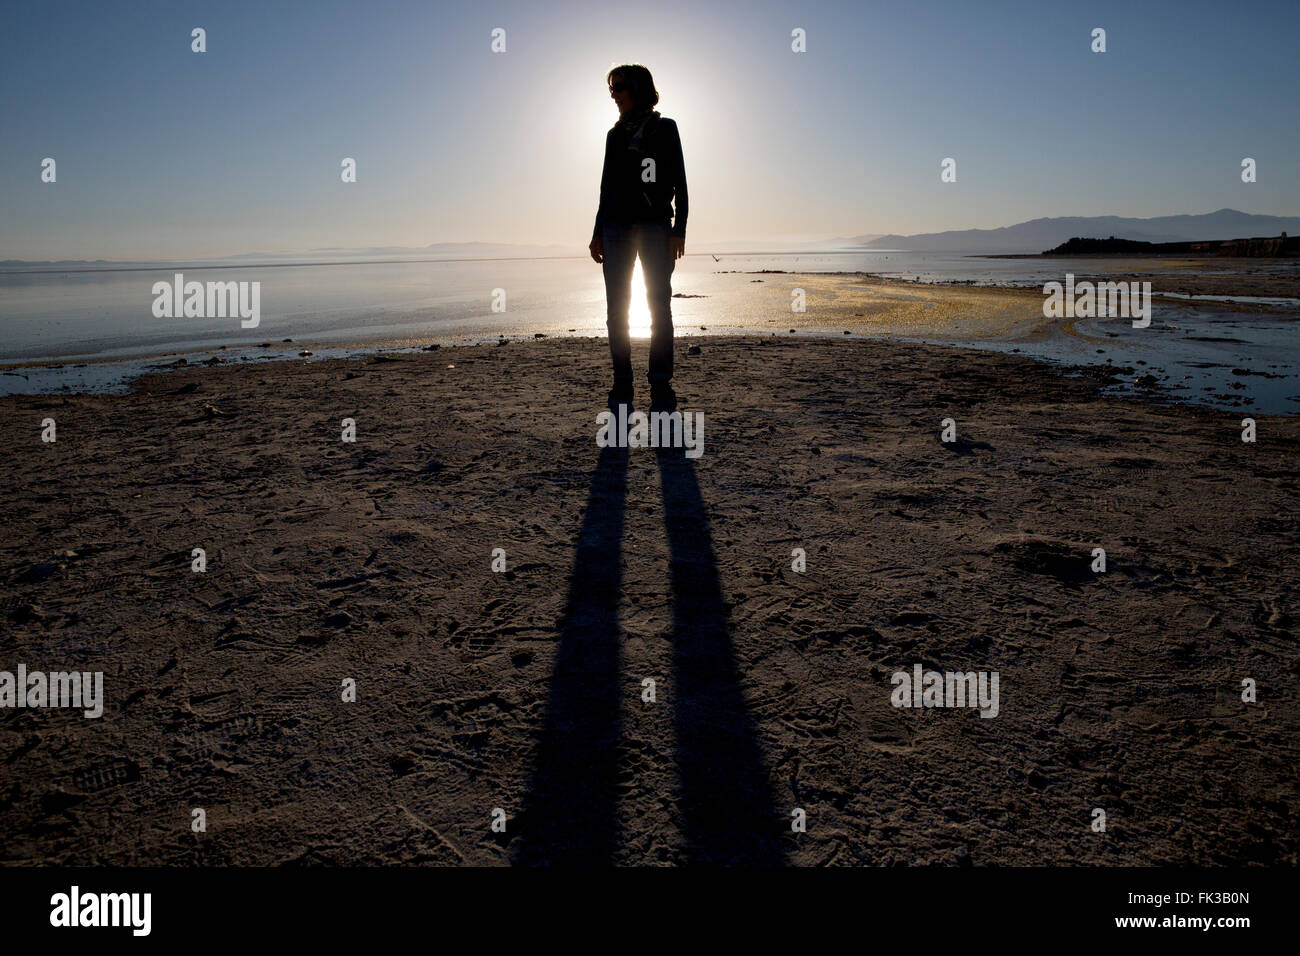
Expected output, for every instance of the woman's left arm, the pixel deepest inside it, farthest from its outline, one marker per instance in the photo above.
(680, 202)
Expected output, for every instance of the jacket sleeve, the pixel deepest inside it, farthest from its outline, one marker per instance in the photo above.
(680, 202)
(604, 191)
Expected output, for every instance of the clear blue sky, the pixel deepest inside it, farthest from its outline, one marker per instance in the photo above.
(162, 152)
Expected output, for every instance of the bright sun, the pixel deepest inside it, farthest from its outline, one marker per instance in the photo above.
(638, 315)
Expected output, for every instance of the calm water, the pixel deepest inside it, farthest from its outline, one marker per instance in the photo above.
(84, 320)
(103, 314)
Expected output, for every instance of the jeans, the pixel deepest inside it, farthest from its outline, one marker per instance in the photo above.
(623, 243)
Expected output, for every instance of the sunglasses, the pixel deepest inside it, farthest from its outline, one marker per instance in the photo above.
(617, 87)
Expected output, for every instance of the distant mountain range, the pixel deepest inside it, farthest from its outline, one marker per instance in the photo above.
(1029, 237)
(1039, 234)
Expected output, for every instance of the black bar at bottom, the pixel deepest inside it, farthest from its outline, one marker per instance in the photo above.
(943, 906)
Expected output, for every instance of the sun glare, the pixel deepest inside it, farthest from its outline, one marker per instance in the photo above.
(638, 315)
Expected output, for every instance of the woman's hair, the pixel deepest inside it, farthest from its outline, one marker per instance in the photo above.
(639, 81)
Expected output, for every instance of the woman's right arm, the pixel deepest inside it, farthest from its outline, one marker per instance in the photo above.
(604, 191)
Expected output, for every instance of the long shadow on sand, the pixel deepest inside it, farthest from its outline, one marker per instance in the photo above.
(570, 812)
(724, 793)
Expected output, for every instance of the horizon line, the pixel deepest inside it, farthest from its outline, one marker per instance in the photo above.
(129, 264)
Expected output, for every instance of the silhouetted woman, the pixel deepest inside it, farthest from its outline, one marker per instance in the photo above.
(643, 176)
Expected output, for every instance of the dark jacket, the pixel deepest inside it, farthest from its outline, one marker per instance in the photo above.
(624, 198)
